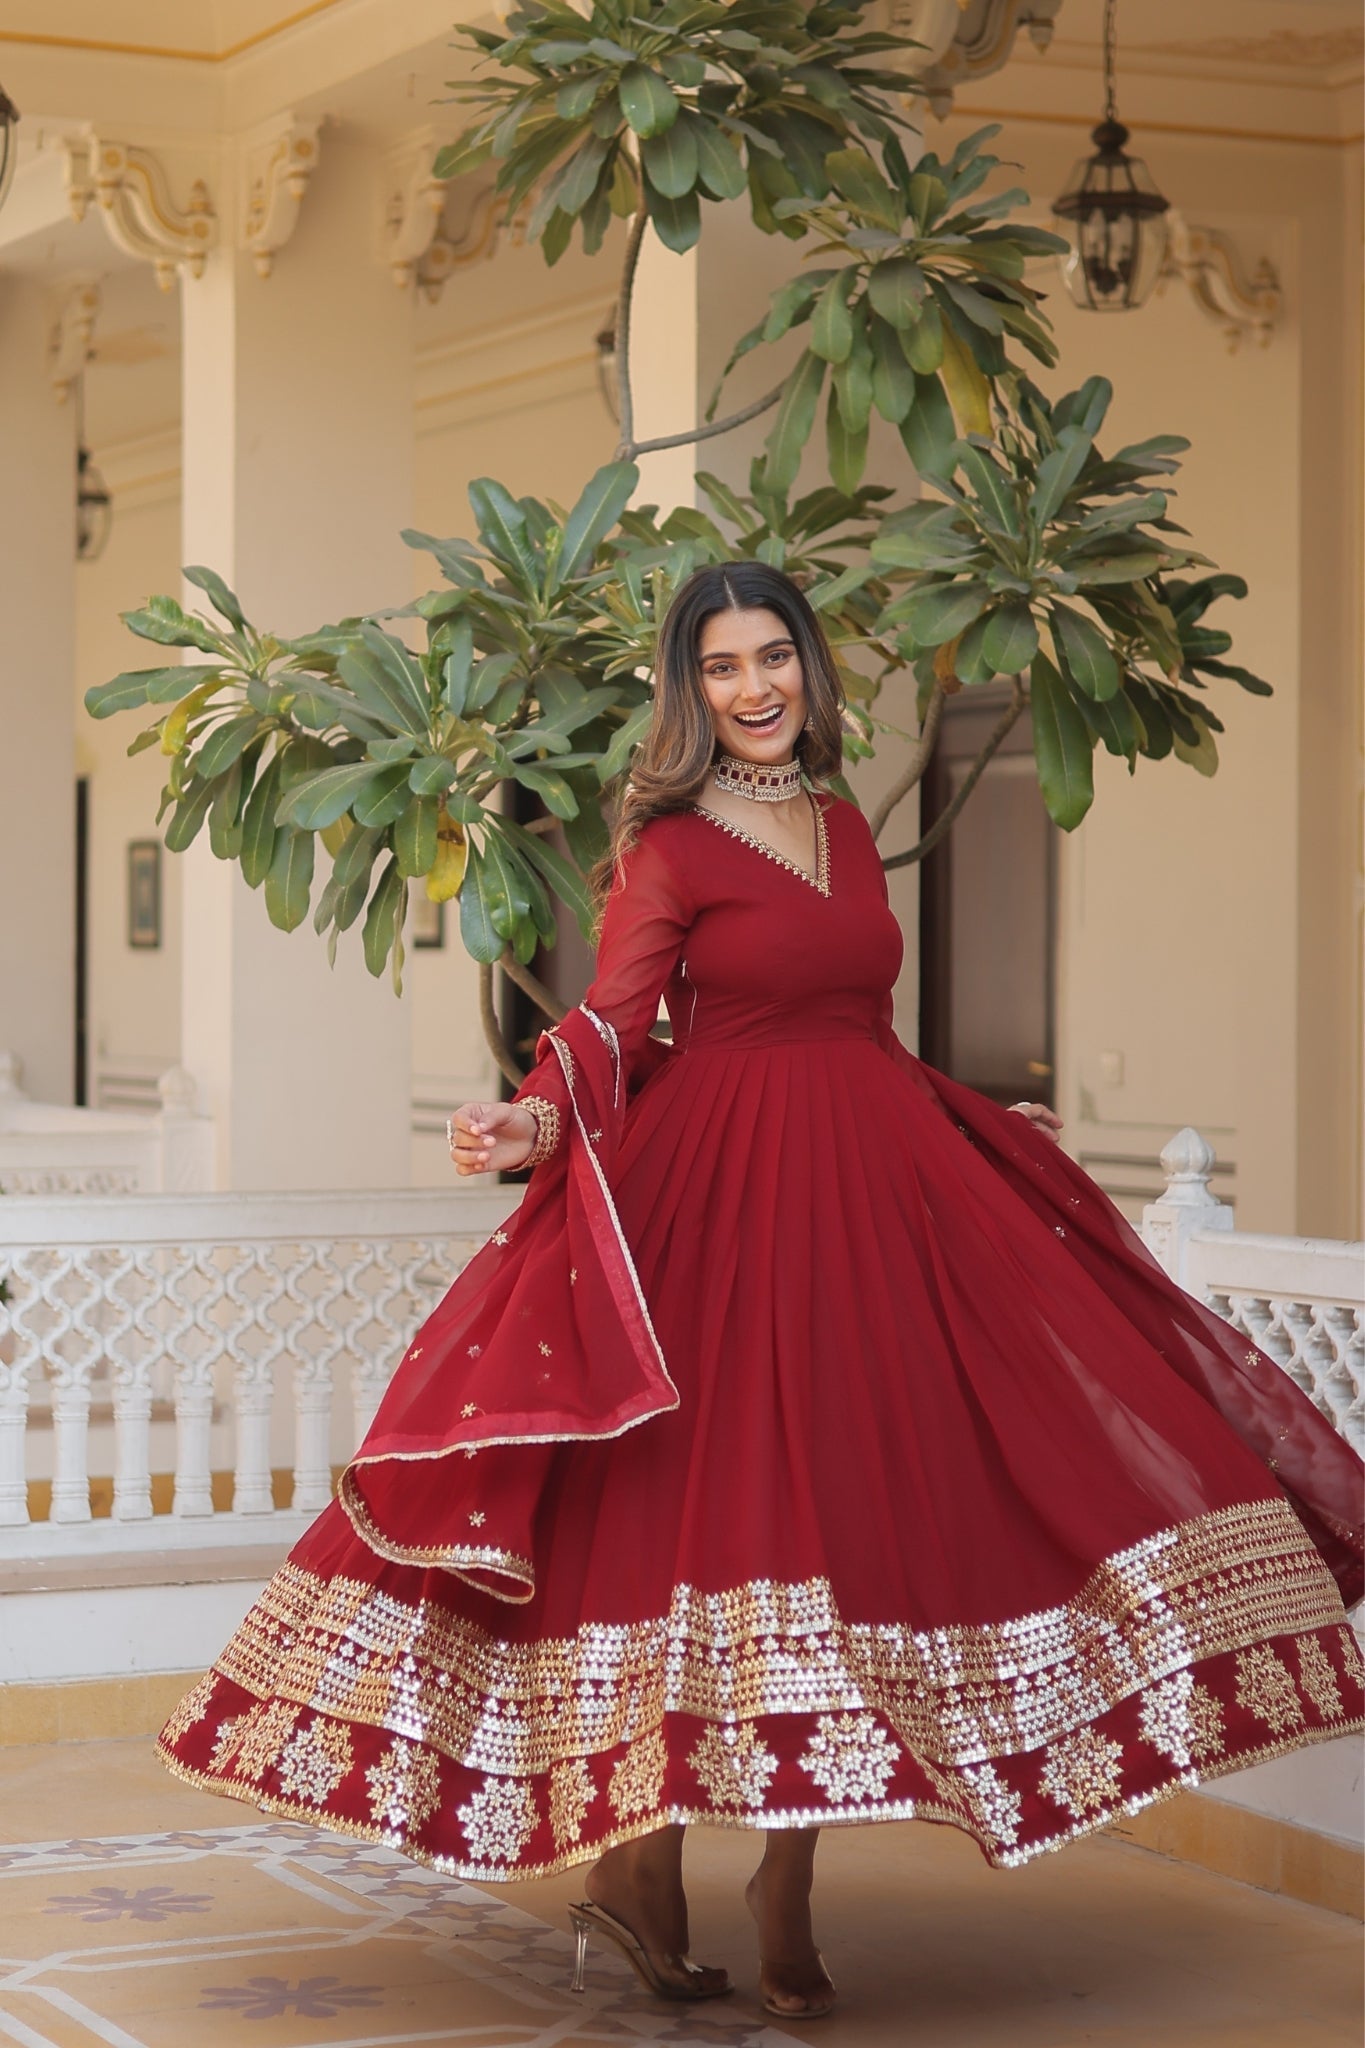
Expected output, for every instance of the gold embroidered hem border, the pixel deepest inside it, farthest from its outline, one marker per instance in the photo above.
(962, 1695)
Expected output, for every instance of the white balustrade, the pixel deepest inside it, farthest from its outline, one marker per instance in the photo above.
(49, 1149)
(1301, 1299)
(216, 1304)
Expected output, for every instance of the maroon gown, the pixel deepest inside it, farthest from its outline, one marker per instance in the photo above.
(817, 1444)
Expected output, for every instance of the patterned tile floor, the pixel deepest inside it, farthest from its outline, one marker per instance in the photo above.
(136, 1913)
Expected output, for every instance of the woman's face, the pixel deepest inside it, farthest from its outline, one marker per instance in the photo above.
(752, 680)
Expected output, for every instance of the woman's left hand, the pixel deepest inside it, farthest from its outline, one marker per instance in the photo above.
(1040, 1116)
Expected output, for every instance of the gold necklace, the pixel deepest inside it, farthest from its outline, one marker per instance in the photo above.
(761, 782)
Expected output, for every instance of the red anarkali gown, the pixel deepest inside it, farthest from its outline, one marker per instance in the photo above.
(815, 1445)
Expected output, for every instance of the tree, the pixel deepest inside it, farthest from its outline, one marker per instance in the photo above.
(1030, 556)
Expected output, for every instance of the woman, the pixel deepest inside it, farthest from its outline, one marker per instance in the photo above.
(815, 1445)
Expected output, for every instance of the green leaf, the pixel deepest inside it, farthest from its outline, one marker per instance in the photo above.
(893, 381)
(226, 744)
(1061, 747)
(1085, 655)
(385, 798)
(290, 879)
(379, 693)
(1085, 408)
(923, 342)
(677, 222)
(929, 431)
(994, 490)
(145, 686)
(356, 857)
(624, 741)
(225, 824)
(646, 101)
(189, 815)
(219, 596)
(458, 669)
(258, 826)
(414, 835)
(928, 198)
(163, 620)
(488, 678)
(896, 289)
(945, 610)
(847, 450)
(719, 165)
(795, 419)
(317, 801)
(1203, 754)
(969, 391)
(855, 178)
(553, 790)
(853, 384)
(1010, 639)
(1057, 473)
(565, 880)
(381, 916)
(1130, 568)
(603, 501)
(831, 327)
(481, 903)
(502, 527)
(1254, 683)
(670, 158)
(1114, 723)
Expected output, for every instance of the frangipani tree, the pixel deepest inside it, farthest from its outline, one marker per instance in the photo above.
(1028, 555)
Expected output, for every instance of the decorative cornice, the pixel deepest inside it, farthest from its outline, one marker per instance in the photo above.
(131, 188)
(433, 227)
(73, 335)
(279, 161)
(963, 42)
(1207, 261)
(413, 207)
(105, 47)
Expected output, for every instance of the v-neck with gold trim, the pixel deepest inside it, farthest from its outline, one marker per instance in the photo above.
(819, 881)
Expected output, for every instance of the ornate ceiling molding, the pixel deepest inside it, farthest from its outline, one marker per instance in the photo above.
(966, 40)
(1246, 308)
(279, 162)
(434, 227)
(130, 186)
(73, 335)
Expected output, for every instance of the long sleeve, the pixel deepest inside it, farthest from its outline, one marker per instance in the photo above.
(645, 921)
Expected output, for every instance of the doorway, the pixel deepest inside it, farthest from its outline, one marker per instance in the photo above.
(988, 912)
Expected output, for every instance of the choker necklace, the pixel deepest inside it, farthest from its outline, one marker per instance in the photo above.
(761, 782)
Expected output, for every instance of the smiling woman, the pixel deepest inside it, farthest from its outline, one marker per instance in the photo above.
(815, 1446)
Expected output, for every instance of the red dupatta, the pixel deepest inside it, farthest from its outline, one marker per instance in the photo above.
(545, 1338)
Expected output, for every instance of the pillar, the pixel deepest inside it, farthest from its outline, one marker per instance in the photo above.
(297, 463)
(37, 628)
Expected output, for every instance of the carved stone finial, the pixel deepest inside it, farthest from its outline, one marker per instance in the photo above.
(179, 1092)
(130, 187)
(280, 160)
(1209, 263)
(73, 335)
(1187, 1160)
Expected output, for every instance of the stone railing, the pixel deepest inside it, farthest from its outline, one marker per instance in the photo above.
(1302, 1299)
(201, 1335)
(48, 1149)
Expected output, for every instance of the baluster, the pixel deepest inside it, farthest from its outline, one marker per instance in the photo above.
(193, 1428)
(253, 1390)
(13, 1424)
(312, 1433)
(132, 1440)
(70, 1441)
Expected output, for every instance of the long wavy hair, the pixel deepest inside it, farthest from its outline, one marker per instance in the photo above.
(675, 756)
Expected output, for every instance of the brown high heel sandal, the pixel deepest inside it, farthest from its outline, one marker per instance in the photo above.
(667, 1976)
(810, 2009)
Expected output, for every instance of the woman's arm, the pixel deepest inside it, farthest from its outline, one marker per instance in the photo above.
(644, 923)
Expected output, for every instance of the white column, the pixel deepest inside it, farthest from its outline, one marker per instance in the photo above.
(297, 478)
(37, 650)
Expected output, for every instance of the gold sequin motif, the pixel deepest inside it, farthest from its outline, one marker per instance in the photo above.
(498, 1821)
(637, 1782)
(1082, 1772)
(265, 1731)
(734, 1766)
(1318, 1679)
(316, 1761)
(404, 1787)
(571, 1794)
(1265, 1688)
(189, 1710)
(850, 1757)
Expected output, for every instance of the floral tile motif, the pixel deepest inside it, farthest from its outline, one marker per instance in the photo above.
(112, 1902)
(271, 1998)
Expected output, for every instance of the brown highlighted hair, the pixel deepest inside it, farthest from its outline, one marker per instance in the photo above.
(672, 761)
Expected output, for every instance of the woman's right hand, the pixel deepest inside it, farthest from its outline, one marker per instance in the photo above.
(491, 1137)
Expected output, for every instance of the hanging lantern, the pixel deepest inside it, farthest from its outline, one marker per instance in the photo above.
(9, 146)
(1111, 213)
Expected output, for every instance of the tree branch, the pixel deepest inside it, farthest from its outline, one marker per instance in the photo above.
(944, 821)
(492, 1030)
(708, 432)
(920, 755)
(625, 402)
(531, 986)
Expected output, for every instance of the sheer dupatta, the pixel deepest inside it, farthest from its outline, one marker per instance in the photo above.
(544, 1339)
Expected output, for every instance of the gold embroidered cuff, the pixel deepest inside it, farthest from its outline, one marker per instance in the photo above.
(546, 1115)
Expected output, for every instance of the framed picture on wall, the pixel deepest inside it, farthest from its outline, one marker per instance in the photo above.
(426, 920)
(144, 893)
